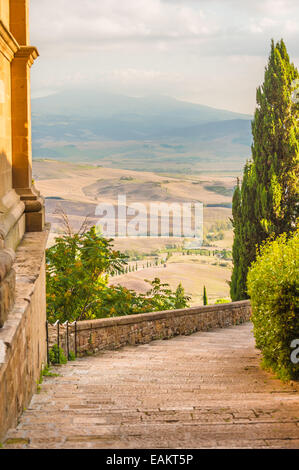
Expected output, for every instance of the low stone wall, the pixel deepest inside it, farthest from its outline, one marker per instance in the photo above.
(7, 284)
(23, 337)
(113, 333)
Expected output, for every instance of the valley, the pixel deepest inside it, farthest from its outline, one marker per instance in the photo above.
(77, 188)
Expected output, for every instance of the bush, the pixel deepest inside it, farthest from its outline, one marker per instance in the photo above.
(222, 301)
(57, 356)
(72, 356)
(273, 285)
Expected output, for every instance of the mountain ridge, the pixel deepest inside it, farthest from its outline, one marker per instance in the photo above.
(136, 132)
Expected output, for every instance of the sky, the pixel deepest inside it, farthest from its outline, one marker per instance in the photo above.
(211, 52)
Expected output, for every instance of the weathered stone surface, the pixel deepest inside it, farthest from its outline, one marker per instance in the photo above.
(7, 296)
(7, 283)
(206, 390)
(23, 337)
(113, 333)
(22, 285)
(7, 258)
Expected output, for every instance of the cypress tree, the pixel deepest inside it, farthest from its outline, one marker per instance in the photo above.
(205, 297)
(180, 298)
(275, 149)
(267, 204)
(236, 221)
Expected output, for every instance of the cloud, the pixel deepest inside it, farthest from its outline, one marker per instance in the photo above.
(110, 19)
(156, 42)
(90, 24)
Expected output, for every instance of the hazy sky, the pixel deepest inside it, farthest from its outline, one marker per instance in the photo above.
(211, 52)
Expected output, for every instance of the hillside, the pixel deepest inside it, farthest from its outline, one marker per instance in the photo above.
(78, 188)
(154, 133)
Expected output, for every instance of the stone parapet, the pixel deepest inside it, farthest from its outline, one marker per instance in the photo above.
(113, 333)
(23, 337)
(7, 284)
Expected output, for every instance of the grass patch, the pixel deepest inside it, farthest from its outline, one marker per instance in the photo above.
(16, 441)
(219, 189)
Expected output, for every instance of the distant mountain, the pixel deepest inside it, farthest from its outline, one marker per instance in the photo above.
(93, 103)
(90, 125)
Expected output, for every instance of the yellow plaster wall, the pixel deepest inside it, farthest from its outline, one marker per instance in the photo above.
(5, 126)
(21, 120)
(4, 12)
(19, 21)
(5, 103)
(16, 58)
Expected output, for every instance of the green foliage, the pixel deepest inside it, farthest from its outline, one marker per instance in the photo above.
(121, 301)
(222, 301)
(78, 268)
(213, 237)
(273, 285)
(219, 189)
(72, 356)
(226, 254)
(57, 356)
(77, 272)
(205, 296)
(267, 203)
(46, 372)
(126, 178)
(160, 297)
(216, 231)
(180, 297)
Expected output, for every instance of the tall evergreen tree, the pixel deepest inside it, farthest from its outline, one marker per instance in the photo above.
(236, 221)
(205, 296)
(268, 203)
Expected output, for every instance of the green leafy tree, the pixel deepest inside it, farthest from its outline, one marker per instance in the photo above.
(160, 297)
(267, 203)
(78, 269)
(180, 297)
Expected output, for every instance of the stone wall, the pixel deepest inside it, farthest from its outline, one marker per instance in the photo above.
(113, 333)
(23, 337)
(7, 284)
(22, 277)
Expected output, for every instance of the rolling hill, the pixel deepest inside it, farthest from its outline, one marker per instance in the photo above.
(158, 133)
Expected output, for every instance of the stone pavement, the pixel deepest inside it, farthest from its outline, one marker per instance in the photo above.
(201, 391)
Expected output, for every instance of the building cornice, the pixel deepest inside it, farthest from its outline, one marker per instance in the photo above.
(8, 45)
(28, 53)
(11, 49)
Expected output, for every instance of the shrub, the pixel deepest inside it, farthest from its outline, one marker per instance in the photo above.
(57, 356)
(222, 301)
(273, 284)
(72, 356)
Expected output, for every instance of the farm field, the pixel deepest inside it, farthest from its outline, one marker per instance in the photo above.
(78, 188)
(194, 272)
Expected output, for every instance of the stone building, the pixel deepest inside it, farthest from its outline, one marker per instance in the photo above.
(22, 231)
